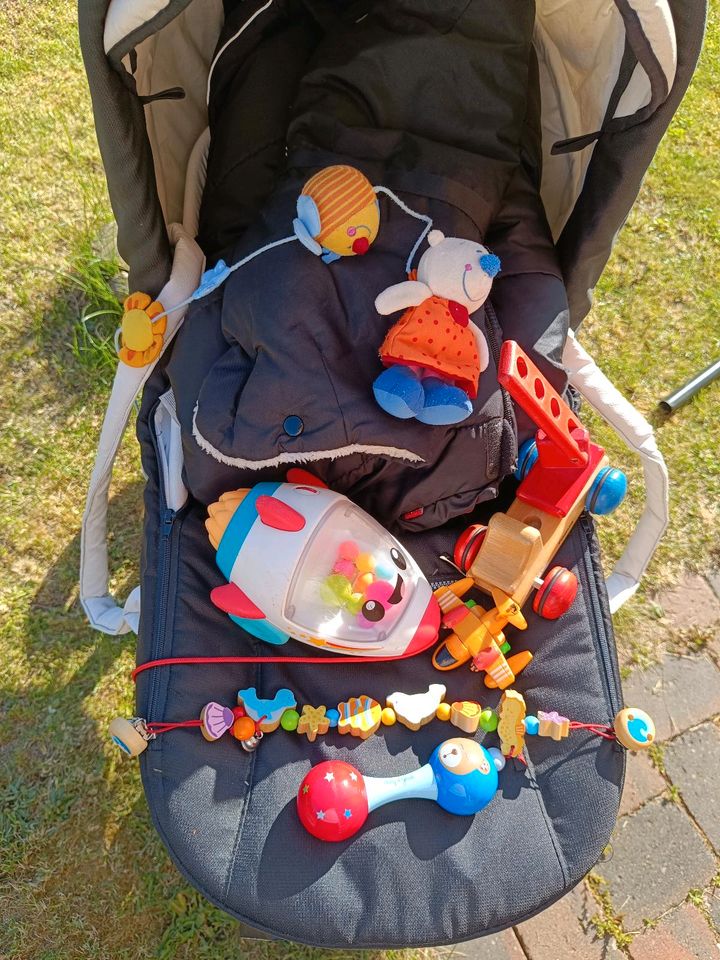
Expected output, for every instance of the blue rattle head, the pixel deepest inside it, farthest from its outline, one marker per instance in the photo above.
(465, 775)
(490, 264)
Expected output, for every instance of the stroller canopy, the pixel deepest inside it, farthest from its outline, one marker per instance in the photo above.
(611, 74)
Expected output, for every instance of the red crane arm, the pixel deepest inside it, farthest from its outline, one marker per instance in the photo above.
(541, 402)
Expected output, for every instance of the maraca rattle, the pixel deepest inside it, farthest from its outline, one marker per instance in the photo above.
(334, 799)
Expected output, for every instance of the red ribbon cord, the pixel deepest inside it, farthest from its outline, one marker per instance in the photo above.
(164, 727)
(181, 661)
(158, 728)
(599, 729)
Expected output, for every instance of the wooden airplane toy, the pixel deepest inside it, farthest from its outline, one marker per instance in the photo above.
(561, 472)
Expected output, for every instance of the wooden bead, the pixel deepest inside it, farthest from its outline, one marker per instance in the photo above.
(243, 728)
(359, 716)
(465, 715)
(488, 720)
(443, 711)
(312, 722)
(125, 735)
(388, 717)
(289, 720)
(414, 710)
(634, 728)
(511, 729)
(271, 710)
(553, 725)
(215, 720)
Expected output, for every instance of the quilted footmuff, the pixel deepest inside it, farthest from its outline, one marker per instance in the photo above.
(436, 103)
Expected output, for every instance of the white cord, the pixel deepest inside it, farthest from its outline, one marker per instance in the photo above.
(413, 213)
(232, 39)
(208, 282)
(204, 289)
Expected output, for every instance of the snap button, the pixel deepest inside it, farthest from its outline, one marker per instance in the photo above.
(293, 426)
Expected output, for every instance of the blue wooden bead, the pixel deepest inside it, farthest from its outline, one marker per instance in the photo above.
(532, 725)
(333, 716)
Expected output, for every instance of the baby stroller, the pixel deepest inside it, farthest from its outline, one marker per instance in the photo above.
(527, 127)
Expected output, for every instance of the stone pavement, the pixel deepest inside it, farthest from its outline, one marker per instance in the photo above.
(659, 888)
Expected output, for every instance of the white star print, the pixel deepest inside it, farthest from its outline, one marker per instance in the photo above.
(329, 776)
(353, 775)
(320, 814)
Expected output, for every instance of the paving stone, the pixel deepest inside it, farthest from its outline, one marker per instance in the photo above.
(658, 856)
(692, 603)
(677, 693)
(501, 946)
(712, 902)
(564, 932)
(693, 764)
(642, 783)
(684, 934)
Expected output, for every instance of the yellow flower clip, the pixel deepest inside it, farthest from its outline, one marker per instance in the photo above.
(141, 340)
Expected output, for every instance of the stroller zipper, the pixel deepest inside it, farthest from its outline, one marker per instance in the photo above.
(164, 563)
(608, 662)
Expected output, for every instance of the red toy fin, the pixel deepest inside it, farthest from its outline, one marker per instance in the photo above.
(298, 475)
(231, 599)
(281, 516)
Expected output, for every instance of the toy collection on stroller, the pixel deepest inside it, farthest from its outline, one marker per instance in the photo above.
(364, 234)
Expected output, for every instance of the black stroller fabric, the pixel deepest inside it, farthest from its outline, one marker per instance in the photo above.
(438, 103)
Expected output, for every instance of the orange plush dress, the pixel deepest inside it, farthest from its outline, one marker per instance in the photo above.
(435, 335)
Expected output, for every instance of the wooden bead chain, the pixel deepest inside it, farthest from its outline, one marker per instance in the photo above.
(362, 716)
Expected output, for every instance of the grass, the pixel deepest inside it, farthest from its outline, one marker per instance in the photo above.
(82, 873)
(607, 923)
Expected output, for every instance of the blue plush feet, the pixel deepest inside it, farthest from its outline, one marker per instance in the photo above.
(399, 392)
(444, 403)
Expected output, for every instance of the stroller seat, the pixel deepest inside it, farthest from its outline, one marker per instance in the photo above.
(442, 106)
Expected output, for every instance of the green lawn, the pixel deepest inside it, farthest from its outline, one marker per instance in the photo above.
(82, 873)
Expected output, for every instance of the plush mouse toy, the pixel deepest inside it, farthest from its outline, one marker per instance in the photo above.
(434, 354)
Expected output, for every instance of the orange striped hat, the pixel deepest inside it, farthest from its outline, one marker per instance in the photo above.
(338, 192)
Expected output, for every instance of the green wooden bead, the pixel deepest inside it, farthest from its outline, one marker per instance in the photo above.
(289, 720)
(488, 720)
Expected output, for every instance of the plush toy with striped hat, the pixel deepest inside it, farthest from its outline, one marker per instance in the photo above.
(338, 213)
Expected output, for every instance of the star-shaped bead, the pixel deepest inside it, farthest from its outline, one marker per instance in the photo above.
(347, 814)
(329, 776)
(320, 814)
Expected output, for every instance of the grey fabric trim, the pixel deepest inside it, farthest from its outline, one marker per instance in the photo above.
(627, 67)
(619, 163)
(154, 25)
(642, 48)
(638, 50)
(127, 158)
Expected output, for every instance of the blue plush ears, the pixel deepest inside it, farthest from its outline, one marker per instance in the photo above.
(307, 224)
(490, 264)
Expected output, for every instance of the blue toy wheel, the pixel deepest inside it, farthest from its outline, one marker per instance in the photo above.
(607, 491)
(527, 455)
